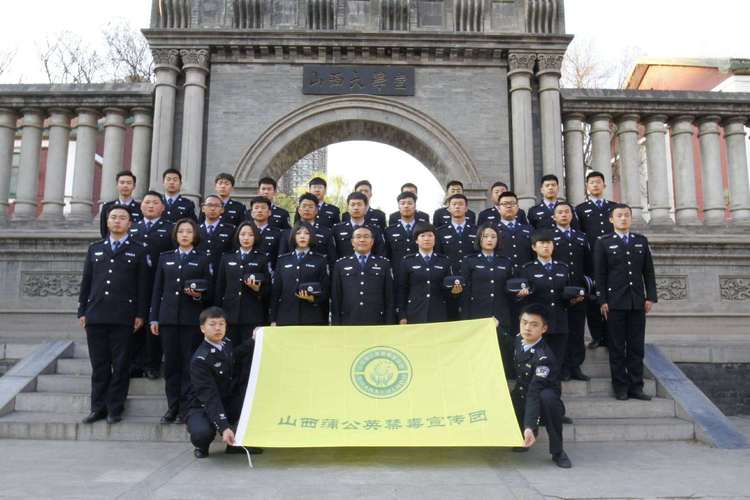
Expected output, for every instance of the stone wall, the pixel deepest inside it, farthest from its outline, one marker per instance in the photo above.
(724, 383)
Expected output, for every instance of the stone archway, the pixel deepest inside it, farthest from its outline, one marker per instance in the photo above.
(344, 118)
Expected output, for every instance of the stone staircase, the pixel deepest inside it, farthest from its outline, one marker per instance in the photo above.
(61, 400)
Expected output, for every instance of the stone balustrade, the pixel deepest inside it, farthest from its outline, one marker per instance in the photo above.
(685, 135)
(61, 114)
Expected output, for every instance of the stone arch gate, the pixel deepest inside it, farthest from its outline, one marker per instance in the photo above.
(469, 88)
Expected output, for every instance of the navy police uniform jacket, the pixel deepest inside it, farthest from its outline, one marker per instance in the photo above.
(442, 217)
(624, 273)
(170, 305)
(342, 237)
(421, 297)
(234, 212)
(516, 244)
(242, 304)
(323, 243)
(547, 289)
(179, 208)
(574, 251)
(398, 244)
(454, 246)
(418, 217)
(290, 273)
(114, 286)
(362, 295)
(485, 294)
(328, 215)
(536, 370)
(373, 217)
(594, 221)
(271, 238)
(541, 216)
(156, 240)
(279, 218)
(133, 207)
(218, 242)
(492, 215)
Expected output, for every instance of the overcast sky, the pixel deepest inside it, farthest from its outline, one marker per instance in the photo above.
(655, 28)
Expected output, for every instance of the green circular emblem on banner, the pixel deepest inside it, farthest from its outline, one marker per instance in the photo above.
(381, 372)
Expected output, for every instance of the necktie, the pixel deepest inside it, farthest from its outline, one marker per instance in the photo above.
(548, 266)
(551, 206)
(169, 202)
(427, 258)
(300, 256)
(599, 203)
(491, 259)
(408, 229)
(183, 256)
(567, 235)
(210, 230)
(362, 260)
(512, 226)
(460, 230)
(115, 245)
(148, 226)
(625, 238)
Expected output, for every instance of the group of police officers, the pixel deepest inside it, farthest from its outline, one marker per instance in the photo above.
(161, 263)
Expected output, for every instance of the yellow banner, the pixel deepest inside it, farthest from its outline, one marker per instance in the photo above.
(439, 384)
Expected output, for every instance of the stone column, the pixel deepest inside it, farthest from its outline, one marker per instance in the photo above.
(141, 155)
(713, 188)
(683, 165)
(83, 178)
(165, 92)
(7, 139)
(57, 163)
(658, 178)
(28, 170)
(521, 67)
(195, 66)
(630, 161)
(114, 148)
(574, 167)
(551, 123)
(601, 149)
(735, 136)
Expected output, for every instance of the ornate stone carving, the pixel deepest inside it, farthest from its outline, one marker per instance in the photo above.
(520, 61)
(194, 57)
(50, 284)
(672, 287)
(165, 57)
(734, 288)
(549, 62)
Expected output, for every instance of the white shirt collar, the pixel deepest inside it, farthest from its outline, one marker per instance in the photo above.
(526, 346)
(125, 202)
(152, 221)
(353, 223)
(261, 228)
(563, 229)
(121, 240)
(544, 263)
(622, 235)
(218, 346)
(358, 255)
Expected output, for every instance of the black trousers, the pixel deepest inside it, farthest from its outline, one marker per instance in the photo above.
(627, 332)
(109, 352)
(596, 322)
(507, 347)
(551, 410)
(178, 344)
(575, 353)
(146, 350)
(558, 343)
(202, 431)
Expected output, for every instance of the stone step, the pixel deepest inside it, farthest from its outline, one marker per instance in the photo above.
(6, 364)
(603, 407)
(599, 386)
(53, 402)
(81, 384)
(74, 366)
(596, 369)
(81, 350)
(625, 429)
(13, 350)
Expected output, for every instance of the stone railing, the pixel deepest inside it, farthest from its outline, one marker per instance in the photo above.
(57, 113)
(690, 140)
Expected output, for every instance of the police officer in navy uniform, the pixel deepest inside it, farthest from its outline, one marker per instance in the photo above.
(421, 294)
(243, 285)
(356, 217)
(270, 235)
(267, 188)
(328, 215)
(399, 238)
(494, 213)
(307, 211)
(218, 377)
(125, 187)
(442, 216)
(572, 248)
(541, 215)
(234, 211)
(418, 215)
(593, 219)
(626, 291)
(112, 304)
(176, 206)
(362, 285)
(301, 283)
(456, 240)
(515, 237)
(154, 232)
(215, 235)
(373, 217)
(536, 395)
(485, 295)
(175, 307)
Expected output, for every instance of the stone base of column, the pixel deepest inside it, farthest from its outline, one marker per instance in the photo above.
(687, 217)
(660, 217)
(52, 211)
(80, 211)
(741, 216)
(714, 216)
(24, 211)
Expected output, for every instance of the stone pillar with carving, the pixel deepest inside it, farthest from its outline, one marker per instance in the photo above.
(630, 161)
(658, 175)
(521, 66)
(28, 170)
(195, 66)
(82, 202)
(709, 132)
(141, 155)
(8, 121)
(574, 167)
(165, 93)
(114, 148)
(739, 189)
(683, 164)
(57, 162)
(601, 149)
(548, 72)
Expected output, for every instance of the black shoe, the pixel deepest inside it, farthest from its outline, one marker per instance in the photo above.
(519, 449)
(621, 396)
(639, 395)
(577, 374)
(198, 453)
(597, 343)
(566, 419)
(170, 416)
(562, 460)
(114, 419)
(565, 376)
(152, 374)
(136, 373)
(94, 416)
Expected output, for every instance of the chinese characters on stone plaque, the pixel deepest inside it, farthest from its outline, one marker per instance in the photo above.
(325, 79)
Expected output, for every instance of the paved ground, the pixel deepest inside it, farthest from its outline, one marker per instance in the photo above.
(100, 470)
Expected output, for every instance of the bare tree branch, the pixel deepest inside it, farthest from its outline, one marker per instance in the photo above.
(129, 54)
(66, 58)
(6, 59)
